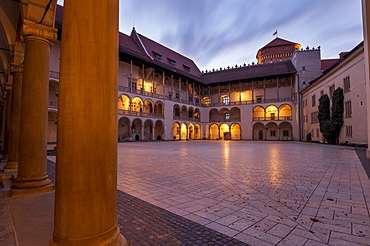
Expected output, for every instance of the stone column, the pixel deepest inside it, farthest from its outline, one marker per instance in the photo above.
(32, 177)
(12, 165)
(8, 97)
(86, 169)
(366, 27)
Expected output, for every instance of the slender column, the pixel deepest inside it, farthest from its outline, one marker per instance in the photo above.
(163, 78)
(366, 27)
(131, 76)
(142, 79)
(12, 165)
(32, 177)
(8, 89)
(86, 173)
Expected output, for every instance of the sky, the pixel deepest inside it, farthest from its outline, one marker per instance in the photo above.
(221, 33)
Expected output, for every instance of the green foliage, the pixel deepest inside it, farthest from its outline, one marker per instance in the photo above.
(330, 126)
(337, 113)
(324, 116)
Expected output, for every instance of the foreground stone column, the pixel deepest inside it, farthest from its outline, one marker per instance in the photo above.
(86, 169)
(366, 27)
(12, 165)
(32, 177)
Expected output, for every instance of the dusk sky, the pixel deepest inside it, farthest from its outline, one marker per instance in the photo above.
(221, 33)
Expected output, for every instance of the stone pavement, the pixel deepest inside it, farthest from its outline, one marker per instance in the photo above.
(222, 193)
(261, 193)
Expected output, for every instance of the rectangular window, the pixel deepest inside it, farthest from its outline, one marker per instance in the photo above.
(158, 56)
(346, 84)
(272, 133)
(331, 91)
(313, 100)
(177, 95)
(314, 118)
(190, 98)
(317, 133)
(227, 116)
(348, 109)
(172, 62)
(259, 99)
(226, 100)
(349, 131)
(286, 133)
(186, 68)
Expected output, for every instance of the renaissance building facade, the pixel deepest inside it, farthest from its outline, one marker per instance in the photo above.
(162, 95)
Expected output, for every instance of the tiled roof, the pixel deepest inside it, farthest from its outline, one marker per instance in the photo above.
(278, 42)
(165, 56)
(249, 72)
(328, 63)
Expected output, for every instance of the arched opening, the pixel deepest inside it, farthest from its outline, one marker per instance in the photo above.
(184, 112)
(206, 101)
(259, 131)
(148, 106)
(285, 112)
(197, 131)
(137, 129)
(137, 104)
(213, 132)
(191, 132)
(214, 115)
(158, 130)
(123, 102)
(235, 114)
(191, 113)
(176, 131)
(176, 111)
(272, 112)
(158, 108)
(52, 126)
(184, 131)
(258, 113)
(148, 130)
(197, 115)
(225, 132)
(286, 132)
(235, 131)
(225, 114)
(124, 129)
(272, 131)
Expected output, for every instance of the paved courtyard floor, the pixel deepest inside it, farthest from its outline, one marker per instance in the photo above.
(260, 193)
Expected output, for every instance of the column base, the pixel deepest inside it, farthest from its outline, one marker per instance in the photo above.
(117, 239)
(11, 167)
(368, 153)
(30, 187)
(4, 158)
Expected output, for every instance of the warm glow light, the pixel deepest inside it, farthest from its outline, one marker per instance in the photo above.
(274, 165)
(226, 157)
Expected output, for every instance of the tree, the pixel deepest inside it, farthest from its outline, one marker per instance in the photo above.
(324, 116)
(337, 114)
(330, 125)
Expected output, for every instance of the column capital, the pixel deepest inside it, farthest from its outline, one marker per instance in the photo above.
(16, 68)
(47, 33)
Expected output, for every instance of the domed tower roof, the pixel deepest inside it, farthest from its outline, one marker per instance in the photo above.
(277, 50)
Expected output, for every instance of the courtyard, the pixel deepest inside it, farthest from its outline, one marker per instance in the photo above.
(221, 193)
(260, 193)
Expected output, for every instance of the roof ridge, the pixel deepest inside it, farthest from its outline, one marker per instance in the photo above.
(166, 47)
(133, 32)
